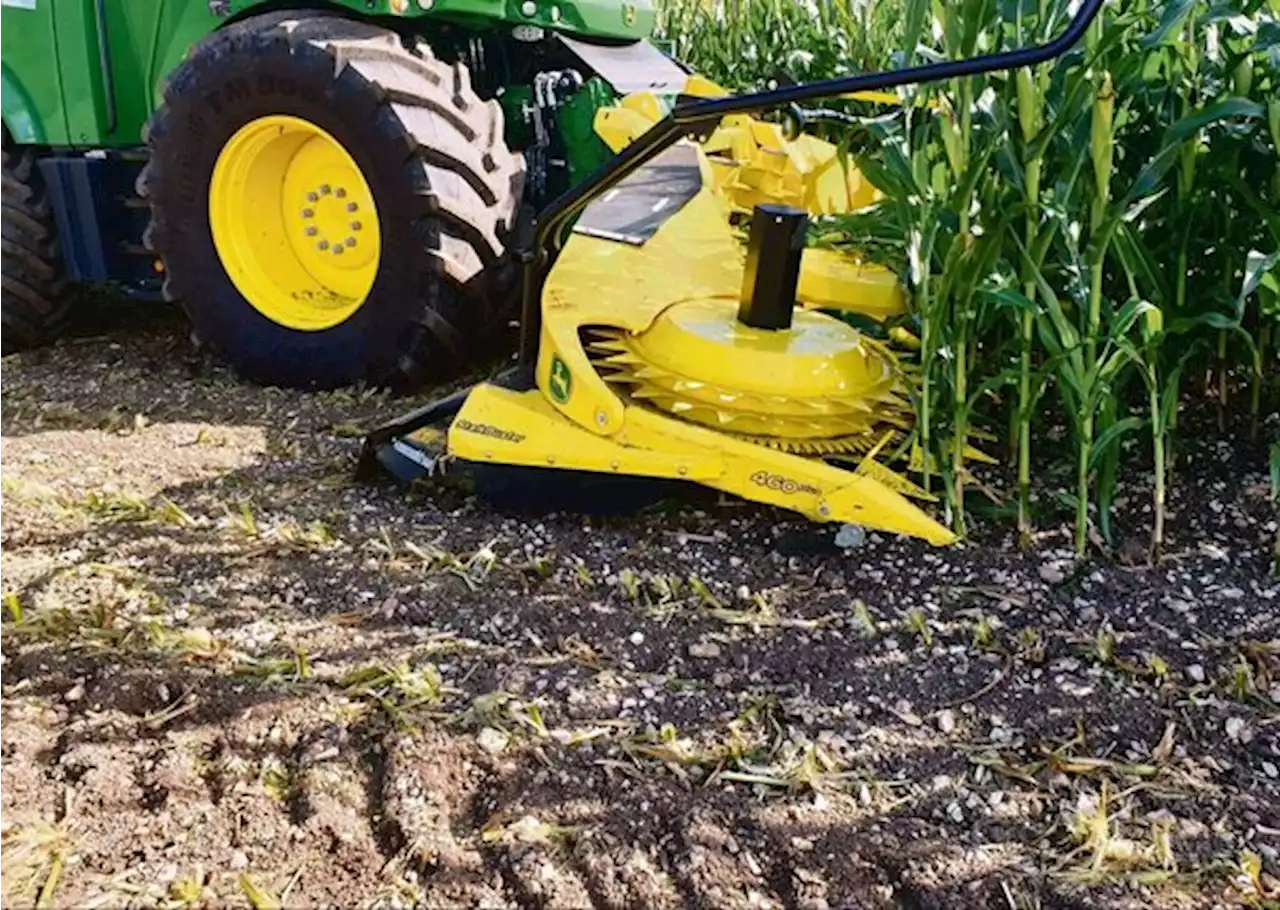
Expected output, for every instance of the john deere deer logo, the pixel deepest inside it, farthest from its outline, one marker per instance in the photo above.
(560, 382)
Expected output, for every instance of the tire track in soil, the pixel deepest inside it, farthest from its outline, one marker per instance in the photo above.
(614, 882)
(430, 826)
(676, 851)
(328, 799)
(30, 756)
(387, 833)
(480, 809)
(209, 770)
(533, 874)
(152, 794)
(778, 861)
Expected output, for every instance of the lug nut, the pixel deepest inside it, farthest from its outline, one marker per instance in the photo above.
(352, 207)
(312, 231)
(355, 225)
(324, 189)
(312, 197)
(340, 193)
(308, 213)
(322, 245)
(351, 241)
(337, 250)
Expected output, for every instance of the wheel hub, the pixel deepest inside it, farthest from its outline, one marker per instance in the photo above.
(820, 386)
(294, 223)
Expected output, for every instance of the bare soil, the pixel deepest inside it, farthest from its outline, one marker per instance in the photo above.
(234, 677)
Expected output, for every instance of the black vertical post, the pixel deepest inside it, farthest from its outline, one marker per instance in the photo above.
(769, 281)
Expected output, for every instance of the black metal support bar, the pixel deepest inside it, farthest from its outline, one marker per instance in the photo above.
(772, 272)
(547, 236)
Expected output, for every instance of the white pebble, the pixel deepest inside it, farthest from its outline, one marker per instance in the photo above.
(492, 740)
(1051, 573)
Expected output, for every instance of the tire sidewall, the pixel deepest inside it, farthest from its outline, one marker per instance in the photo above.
(231, 83)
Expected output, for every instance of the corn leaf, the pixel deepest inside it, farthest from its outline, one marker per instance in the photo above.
(1112, 435)
(1257, 266)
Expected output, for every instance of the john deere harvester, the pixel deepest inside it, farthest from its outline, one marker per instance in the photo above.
(329, 192)
(655, 345)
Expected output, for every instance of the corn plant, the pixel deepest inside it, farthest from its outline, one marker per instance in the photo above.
(744, 44)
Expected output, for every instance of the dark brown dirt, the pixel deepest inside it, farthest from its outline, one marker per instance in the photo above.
(240, 677)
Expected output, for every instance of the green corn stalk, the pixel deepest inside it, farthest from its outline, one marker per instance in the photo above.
(1241, 83)
(1159, 397)
(1102, 156)
(1030, 86)
(961, 24)
(922, 256)
(1187, 67)
(1269, 289)
(1242, 77)
(1269, 307)
(957, 137)
(1158, 433)
(1255, 390)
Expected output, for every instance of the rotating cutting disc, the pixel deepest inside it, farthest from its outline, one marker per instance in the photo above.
(819, 387)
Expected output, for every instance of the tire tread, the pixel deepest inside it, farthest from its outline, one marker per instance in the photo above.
(35, 303)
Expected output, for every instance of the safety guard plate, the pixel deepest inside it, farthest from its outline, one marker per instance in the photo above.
(633, 210)
(635, 67)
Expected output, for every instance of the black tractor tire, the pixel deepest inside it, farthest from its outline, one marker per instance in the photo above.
(446, 187)
(35, 303)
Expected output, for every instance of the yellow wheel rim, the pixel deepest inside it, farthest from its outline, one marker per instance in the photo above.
(294, 223)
